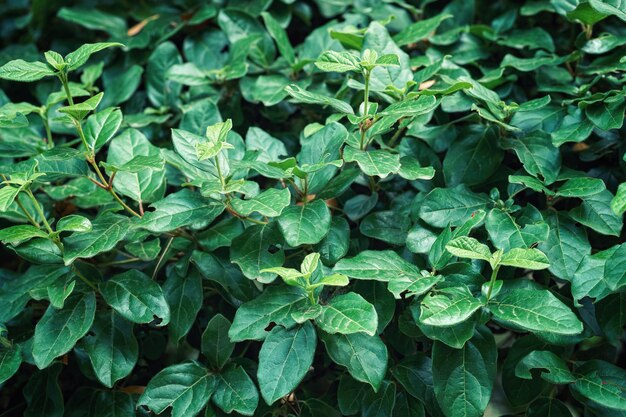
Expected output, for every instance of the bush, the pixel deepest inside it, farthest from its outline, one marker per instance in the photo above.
(279, 208)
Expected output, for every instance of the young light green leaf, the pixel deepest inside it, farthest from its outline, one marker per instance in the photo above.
(333, 61)
(80, 110)
(20, 70)
(74, 223)
(525, 258)
(16, 234)
(302, 96)
(269, 203)
(80, 56)
(468, 247)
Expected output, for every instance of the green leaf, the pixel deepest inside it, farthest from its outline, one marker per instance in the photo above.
(10, 361)
(535, 310)
(59, 329)
(305, 224)
(280, 36)
(235, 391)
(379, 163)
(473, 158)
(20, 70)
(16, 234)
(383, 266)
(448, 306)
(596, 213)
(251, 251)
(451, 206)
(548, 406)
(302, 96)
(183, 293)
(348, 313)
(43, 393)
(74, 223)
(601, 383)
(581, 187)
(388, 226)
(111, 347)
(180, 209)
(101, 127)
(364, 356)
(94, 19)
(468, 247)
(613, 272)
(81, 110)
(80, 56)
(284, 360)
(107, 230)
(185, 387)
(463, 378)
(525, 258)
(539, 157)
(139, 164)
(556, 372)
(420, 30)
(216, 345)
(567, 244)
(382, 403)
(275, 304)
(136, 297)
(610, 7)
(7, 196)
(269, 203)
(618, 203)
(333, 61)
(411, 170)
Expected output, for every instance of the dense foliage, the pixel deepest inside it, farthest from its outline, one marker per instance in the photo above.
(324, 208)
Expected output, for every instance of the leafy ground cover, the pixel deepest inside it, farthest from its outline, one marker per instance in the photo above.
(288, 208)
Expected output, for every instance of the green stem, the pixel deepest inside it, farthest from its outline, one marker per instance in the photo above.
(366, 102)
(366, 99)
(46, 125)
(27, 214)
(39, 211)
(219, 171)
(160, 261)
(55, 239)
(66, 87)
(396, 136)
(492, 281)
(92, 161)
